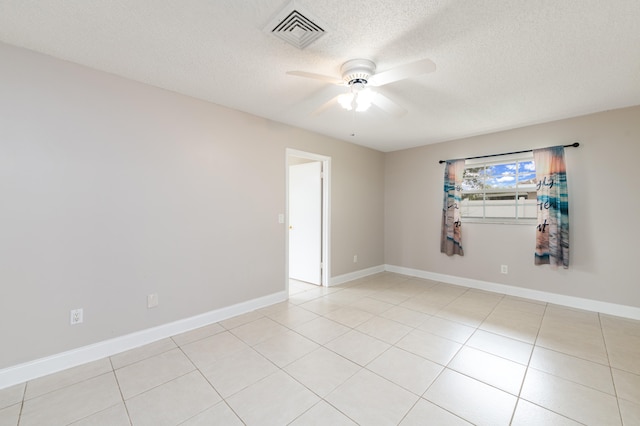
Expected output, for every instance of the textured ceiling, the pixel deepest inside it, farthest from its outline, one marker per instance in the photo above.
(500, 64)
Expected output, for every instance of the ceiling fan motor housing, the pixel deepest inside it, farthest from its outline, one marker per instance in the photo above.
(357, 71)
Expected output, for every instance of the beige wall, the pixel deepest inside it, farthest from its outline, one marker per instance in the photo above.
(112, 190)
(604, 205)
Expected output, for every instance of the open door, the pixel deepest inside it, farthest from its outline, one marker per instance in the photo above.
(305, 222)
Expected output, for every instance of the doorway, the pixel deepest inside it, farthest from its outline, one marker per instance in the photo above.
(308, 202)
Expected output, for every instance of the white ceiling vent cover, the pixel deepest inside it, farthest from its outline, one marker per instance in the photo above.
(296, 26)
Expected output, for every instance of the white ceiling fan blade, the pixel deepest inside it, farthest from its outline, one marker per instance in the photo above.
(387, 105)
(326, 78)
(325, 106)
(413, 69)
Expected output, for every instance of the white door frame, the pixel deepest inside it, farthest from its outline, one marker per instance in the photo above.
(326, 211)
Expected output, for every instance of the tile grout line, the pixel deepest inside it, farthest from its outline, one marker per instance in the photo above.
(24, 393)
(526, 371)
(613, 381)
(463, 345)
(535, 345)
(196, 368)
(126, 408)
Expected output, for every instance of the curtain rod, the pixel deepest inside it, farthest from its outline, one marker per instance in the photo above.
(574, 145)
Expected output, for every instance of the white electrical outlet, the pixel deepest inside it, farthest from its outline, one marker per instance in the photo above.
(355, 258)
(152, 300)
(76, 316)
(504, 269)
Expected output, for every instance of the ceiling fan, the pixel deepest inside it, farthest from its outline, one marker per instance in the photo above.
(359, 75)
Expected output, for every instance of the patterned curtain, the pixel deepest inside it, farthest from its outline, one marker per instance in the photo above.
(552, 237)
(451, 238)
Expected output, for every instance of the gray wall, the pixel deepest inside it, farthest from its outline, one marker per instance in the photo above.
(112, 190)
(602, 177)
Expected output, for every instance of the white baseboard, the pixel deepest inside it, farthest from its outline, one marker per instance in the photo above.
(41, 367)
(340, 279)
(631, 312)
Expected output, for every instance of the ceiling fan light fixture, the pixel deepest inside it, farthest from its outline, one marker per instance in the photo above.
(364, 99)
(359, 100)
(346, 100)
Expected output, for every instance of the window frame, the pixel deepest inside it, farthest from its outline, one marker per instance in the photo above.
(493, 161)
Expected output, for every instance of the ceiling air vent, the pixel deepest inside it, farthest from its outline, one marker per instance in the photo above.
(295, 26)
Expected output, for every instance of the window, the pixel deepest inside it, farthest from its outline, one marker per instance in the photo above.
(499, 190)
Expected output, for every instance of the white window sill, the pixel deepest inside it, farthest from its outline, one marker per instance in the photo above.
(528, 222)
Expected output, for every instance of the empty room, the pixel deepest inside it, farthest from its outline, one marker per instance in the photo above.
(277, 212)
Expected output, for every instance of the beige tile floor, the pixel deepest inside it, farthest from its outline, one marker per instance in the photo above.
(383, 350)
